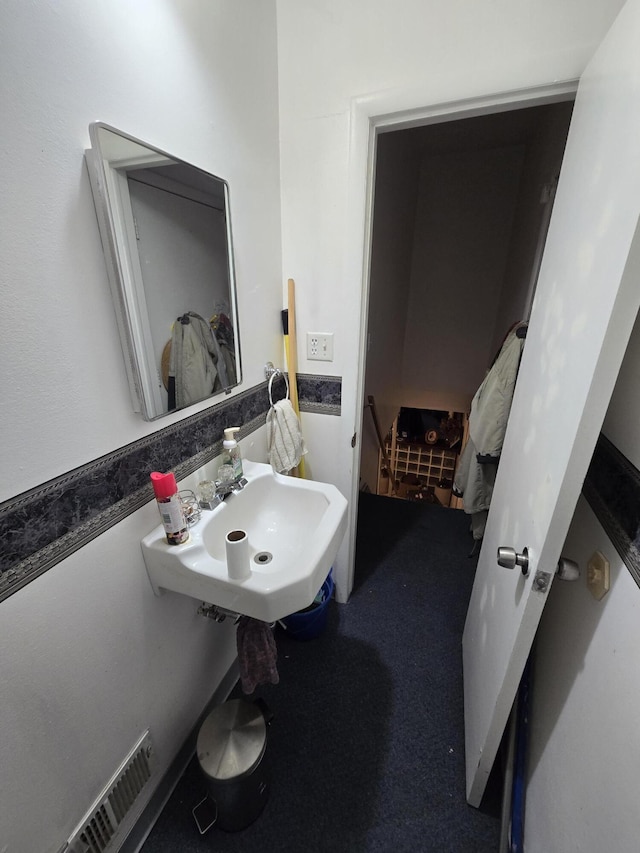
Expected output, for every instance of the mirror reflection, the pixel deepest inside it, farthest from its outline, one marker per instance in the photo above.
(166, 235)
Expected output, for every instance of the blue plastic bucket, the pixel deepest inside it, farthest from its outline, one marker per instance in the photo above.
(310, 623)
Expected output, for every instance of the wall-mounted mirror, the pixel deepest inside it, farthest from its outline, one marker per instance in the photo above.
(166, 234)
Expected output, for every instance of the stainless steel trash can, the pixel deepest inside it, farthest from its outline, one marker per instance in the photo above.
(232, 753)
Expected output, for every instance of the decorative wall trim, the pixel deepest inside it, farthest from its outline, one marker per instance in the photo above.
(320, 394)
(612, 489)
(319, 408)
(44, 525)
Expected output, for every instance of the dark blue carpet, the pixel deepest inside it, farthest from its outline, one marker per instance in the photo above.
(367, 742)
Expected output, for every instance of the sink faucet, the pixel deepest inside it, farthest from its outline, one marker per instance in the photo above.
(223, 490)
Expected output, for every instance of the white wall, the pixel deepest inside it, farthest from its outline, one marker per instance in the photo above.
(393, 227)
(463, 229)
(89, 656)
(541, 166)
(378, 59)
(161, 72)
(585, 744)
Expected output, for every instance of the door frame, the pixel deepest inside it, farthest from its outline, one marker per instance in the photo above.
(371, 116)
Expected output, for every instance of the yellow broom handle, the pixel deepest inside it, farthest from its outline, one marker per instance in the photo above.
(293, 346)
(293, 357)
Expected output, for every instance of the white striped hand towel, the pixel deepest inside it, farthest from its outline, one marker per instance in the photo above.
(284, 437)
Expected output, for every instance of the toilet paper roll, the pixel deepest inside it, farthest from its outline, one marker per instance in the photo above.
(237, 543)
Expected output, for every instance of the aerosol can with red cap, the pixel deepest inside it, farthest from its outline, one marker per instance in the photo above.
(166, 491)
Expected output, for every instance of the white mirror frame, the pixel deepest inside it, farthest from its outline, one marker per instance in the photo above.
(114, 211)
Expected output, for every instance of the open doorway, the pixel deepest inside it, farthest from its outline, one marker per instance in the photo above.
(460, 214)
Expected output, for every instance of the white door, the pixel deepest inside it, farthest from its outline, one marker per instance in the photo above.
(586, 302)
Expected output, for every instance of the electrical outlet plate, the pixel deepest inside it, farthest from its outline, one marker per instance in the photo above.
(598, 579)
(320, 346)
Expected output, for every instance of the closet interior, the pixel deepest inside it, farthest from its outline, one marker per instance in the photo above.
(460, 216)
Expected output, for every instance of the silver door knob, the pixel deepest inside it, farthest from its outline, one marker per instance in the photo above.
(509, 558)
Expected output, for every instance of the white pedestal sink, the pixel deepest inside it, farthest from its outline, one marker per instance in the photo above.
(294, 529)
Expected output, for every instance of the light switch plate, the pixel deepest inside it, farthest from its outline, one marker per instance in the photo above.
(320, 346)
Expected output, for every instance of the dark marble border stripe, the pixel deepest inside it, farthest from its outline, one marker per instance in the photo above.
(320, 394)
(612, 489)
(44, 525)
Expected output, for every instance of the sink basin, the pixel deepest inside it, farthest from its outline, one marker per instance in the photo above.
(294, 529)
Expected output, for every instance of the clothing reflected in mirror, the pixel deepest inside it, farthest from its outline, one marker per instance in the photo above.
(198, 360)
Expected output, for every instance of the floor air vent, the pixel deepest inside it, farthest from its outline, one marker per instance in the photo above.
(105, 819)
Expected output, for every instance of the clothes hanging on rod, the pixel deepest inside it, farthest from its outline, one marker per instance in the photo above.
(490, 407)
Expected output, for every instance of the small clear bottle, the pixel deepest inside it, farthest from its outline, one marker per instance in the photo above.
(231, 454)
(173, 519)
